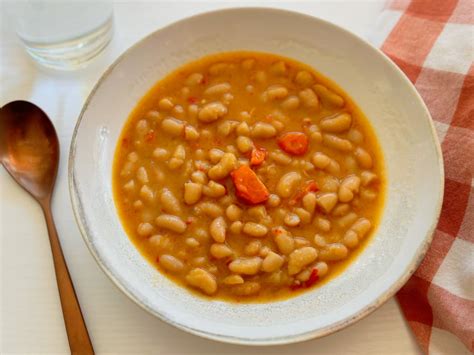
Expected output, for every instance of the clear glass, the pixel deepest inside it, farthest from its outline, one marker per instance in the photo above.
(63, 34)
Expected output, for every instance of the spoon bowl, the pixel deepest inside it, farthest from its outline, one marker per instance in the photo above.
(29, 147)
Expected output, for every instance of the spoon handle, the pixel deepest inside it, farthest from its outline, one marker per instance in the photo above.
(78, 337)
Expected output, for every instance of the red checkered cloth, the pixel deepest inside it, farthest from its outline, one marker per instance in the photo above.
(432, 42)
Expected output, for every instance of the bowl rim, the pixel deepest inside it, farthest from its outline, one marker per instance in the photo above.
(280, 340)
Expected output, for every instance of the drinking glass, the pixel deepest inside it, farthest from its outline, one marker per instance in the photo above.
(62, 34)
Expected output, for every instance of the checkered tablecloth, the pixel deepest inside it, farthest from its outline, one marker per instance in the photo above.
(432, 41)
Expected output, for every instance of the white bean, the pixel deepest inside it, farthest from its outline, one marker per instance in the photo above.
(275, 92)
(172, 126)
(214, 189)
(304, 216)
(279, 68)
(212, 112)
(341, 209)
(326, 201)
(301, 242)
(165, 104)
(226, 127)
(147, 194)
(199, 177)
(220, 251)
(161, 154)
(171, 263)
(215, 155)
(300, 258)
(283, 240)
(290, 103)
(348, 188)
(272, 262)
(178, 111)
(233, 212)
(309, 98)
(257, 212)
(367, 178)
(192, 242)
(159, 242)
(171, 222)
(323, 224)
(142, 127)
(263, 130)
(338, 143)
(247, 288)
(339, 122)
(363, 158)
(244, 144)
(273, 200)
(309, 202)
(243, 129)
(193, 110)
(246, 266)
(288, 184)
(355, 136)
(304, 78)
(145, 229)
(280, 158)
(329, 184)
(194, 79)
(217, 89)
(319, 241)
(224, 167)
(192, 192)
(236, 227)
(142, 175)
(292, 220)
(129, 186)
(320, 160)
(333, 252)
(322, 268)
(327, 96)
(210, 209)
(191, 133)
(169, 202)
(346, 220)
(253, 248)
(233, 280)
(361, 227)
(203, 280)
(368, 194)
(350, 240)
(255, 229)
(217, 229)
(133, 157)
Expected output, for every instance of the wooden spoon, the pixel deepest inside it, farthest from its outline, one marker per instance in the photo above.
(29, 151)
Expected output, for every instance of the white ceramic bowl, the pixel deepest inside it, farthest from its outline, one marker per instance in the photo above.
(401, 121)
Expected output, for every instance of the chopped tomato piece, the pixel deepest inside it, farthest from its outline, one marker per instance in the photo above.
(150, 136)
(310, 186)
(294, 143)
(295, 286)
(248, 186)
(313, 278)
(258, 156)
(193, 100)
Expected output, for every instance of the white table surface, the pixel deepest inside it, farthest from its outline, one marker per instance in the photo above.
(31, 319)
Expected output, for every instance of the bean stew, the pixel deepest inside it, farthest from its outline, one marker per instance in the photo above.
(248, 177)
